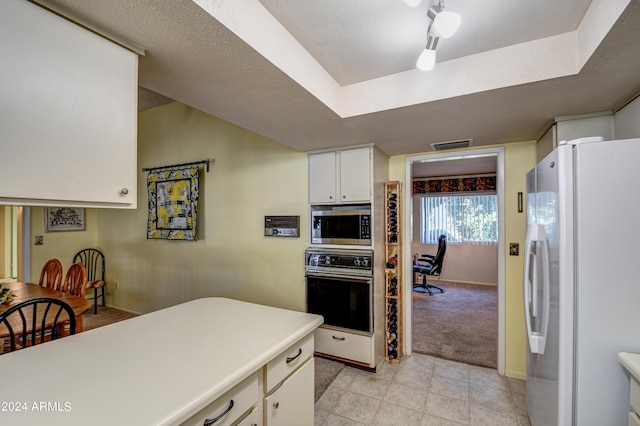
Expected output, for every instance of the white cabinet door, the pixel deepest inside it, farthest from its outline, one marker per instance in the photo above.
(68, 114)
(292, 403)
(340, 176)
(322, 177)
(355, 175)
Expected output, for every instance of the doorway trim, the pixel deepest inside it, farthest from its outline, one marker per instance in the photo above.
(24, 247)
(408, 230)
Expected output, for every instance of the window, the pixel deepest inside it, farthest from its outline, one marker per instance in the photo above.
(464, 219)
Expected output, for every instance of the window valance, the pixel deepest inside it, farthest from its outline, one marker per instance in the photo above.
(461, 184)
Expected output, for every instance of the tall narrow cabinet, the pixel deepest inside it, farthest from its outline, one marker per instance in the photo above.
(393, 270)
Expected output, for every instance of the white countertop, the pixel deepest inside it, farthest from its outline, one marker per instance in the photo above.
(155, 369)
(631, 362)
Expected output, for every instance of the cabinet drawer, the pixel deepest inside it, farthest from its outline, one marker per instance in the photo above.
(635, 394)
(354, 347)
(288, 361)
(230, 406)
(292, 403)
(252, 419)
(634, 420)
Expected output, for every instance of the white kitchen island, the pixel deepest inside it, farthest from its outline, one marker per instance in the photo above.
(179, 365)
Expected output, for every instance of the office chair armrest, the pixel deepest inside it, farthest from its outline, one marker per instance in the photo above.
(427, 258)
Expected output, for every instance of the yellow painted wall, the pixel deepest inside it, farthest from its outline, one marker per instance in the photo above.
(519, 158)
(250, 177)
(60, 245)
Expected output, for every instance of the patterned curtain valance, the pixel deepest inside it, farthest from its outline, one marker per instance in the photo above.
(463, 184)
(173, 203)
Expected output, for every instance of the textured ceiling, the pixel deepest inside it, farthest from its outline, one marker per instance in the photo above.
(315, 75)
(359, 40)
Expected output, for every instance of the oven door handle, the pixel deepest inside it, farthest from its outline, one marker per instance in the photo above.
(328, 276)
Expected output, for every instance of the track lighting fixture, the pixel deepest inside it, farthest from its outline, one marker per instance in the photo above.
(427, 59)
(443, 24)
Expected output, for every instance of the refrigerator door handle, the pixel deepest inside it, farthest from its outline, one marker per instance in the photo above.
(537, 339)
(534, 285)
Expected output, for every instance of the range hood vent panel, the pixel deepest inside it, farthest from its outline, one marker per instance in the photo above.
(462, 143)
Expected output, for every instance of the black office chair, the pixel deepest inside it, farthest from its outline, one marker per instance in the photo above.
(428, 264)
(93, 261)
(36, 321)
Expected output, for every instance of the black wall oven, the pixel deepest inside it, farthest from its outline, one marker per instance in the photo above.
(340, 288)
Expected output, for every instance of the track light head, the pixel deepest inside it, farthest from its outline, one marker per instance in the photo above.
(412, 3)
(445, 24)
(426, 60)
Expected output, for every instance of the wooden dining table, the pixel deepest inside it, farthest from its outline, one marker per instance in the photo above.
(27, 291)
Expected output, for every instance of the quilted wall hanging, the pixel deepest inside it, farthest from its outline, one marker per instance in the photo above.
(173, 202)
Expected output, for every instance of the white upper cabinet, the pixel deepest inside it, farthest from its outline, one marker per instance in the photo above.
(68, 113)
(341, 176)
(322, 177)
(355, 175)
(576, 127)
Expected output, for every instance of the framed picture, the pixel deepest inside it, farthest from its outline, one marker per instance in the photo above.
(57, 219)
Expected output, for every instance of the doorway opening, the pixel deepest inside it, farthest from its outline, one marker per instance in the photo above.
(487, 278)
(14, 251)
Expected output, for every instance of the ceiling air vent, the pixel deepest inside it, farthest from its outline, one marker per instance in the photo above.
(462, 143)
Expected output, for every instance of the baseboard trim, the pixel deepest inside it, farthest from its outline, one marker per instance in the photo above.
(119, 308)
(435, 281)
(348, 362)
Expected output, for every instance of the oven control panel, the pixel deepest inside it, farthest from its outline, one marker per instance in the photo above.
(344, 261)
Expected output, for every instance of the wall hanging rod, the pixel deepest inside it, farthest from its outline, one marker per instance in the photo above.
(172, 166)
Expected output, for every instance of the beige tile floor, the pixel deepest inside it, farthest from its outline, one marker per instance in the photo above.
(423, 391)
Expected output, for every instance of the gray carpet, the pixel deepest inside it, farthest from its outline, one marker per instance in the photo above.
(460, 324)
(325, 370)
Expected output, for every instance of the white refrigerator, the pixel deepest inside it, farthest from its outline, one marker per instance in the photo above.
(582, 282)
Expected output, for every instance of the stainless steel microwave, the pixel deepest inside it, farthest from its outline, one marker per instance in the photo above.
(341, 226)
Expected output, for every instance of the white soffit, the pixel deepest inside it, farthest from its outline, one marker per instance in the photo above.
(527, 62)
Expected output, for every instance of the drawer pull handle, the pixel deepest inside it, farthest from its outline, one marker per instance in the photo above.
(276, 405)
(209, 422)
(339, 338)
(292, 358)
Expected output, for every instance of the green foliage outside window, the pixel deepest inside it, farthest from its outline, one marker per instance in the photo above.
(464, 219)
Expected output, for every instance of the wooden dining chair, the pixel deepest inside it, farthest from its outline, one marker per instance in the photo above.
(93, 260)
(35, 321)
(51, 275)
(75, 280)
(75, 283)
